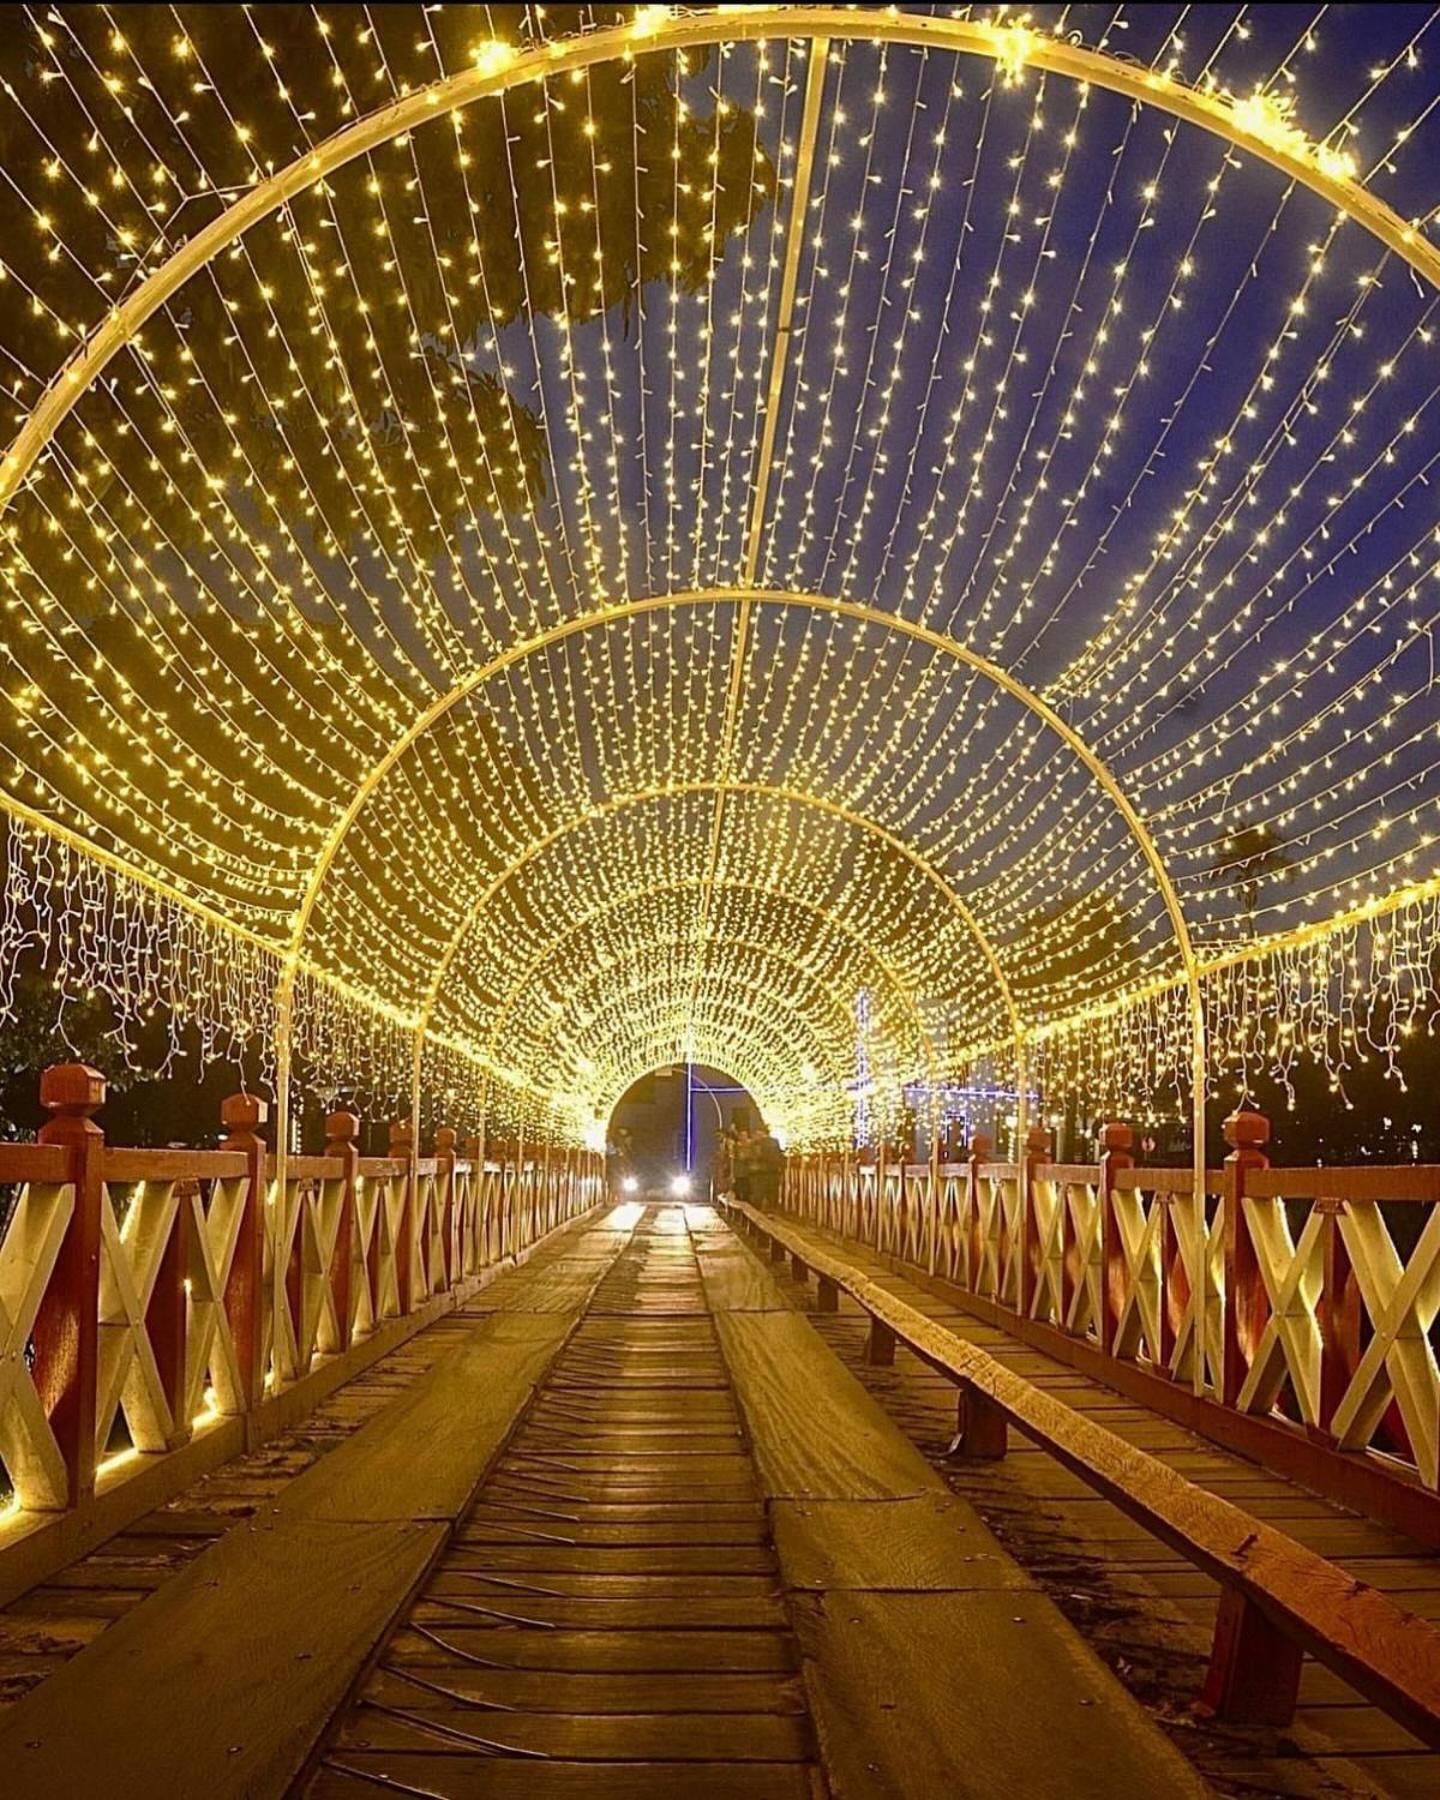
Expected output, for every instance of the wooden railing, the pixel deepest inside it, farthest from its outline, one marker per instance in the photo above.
(1278, 1600)
(149, 1296)
(1321, 1289)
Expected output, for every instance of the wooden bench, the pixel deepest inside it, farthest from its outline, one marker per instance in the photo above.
(1278, 1601)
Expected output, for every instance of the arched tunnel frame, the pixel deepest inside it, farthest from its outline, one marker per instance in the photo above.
(655, 29)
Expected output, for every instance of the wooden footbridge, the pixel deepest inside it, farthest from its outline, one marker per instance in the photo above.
(557, 1495)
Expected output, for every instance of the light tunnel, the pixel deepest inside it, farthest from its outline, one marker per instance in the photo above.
(557, 555)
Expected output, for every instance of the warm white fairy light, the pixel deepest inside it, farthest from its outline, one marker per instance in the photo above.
(1065, 378)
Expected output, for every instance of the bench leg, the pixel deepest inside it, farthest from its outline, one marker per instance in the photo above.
(1254, 1673)
(828, 1295)
(797, 1266)
(880, 1346)
(981, 1428)
(777, 1251)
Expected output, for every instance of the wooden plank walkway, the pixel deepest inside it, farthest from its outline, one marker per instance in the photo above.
(609, 1620)
(255, 1641)
(640, 1603)
(56, 1619)
(626, 1527)
(1144, 1607)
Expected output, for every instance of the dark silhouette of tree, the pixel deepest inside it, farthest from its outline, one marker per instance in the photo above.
(555, 201)
(1243, 858)
(1068, 943)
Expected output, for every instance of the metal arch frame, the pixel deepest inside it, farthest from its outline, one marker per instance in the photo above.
(490, 77)
(833, 920)
(498, 74)
(859, 612)
(645, 982)
(764, 790)
(646, 796)
(759, 951)
(639, 606)
(749, 986)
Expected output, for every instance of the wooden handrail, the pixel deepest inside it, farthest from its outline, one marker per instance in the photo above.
(1388, 1655)
(313, 1168)
(1167, 1181)
(34, 1162)
(1414, 1183)
(225, 1285)
(383, 1168)
(128, 1165)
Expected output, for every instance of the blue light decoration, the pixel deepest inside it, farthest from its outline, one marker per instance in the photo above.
(862, 1066)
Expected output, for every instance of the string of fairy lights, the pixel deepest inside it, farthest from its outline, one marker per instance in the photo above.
(469, 428)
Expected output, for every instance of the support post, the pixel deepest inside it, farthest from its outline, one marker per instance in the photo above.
(981, 1151)
(880, 1345)
(66, 1337)
(1339, 1315)
(167, 1317)
(342, 1133)
(1116, 1142)
(981, 1428)
(1245, 1301)
(1036, 1154)
(798, 1269)
(515, 1213)
(1199, 1078)
(475, 1243)
(1254, 1672)
(242, 1115)
(402, 1149)
(445, 1160)
(827, 1295)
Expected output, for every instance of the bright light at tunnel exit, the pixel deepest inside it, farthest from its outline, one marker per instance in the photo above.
(629, 1185)
(680, 1186)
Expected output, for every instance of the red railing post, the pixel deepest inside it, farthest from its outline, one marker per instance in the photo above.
(167, 1317)
(1031, 1248)
(445, 1160)
(342, 1139)
(1116, 1143)
(402, 1149)
(67, 1326)
(1338, 1312)
(475, 1240)
(1245, 1302)
(981, 1150)
(242, 1115)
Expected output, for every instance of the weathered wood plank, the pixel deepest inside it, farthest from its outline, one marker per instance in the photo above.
(1389, 1655)
(440, 1435)
(922, 1694)
(736, 1282)
(241, 1720)
(552, 1690)
(934, 1542)
(415, 1726)
(815, 1432)
(600, 1652)
(321, 1570)
(909, 1694)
